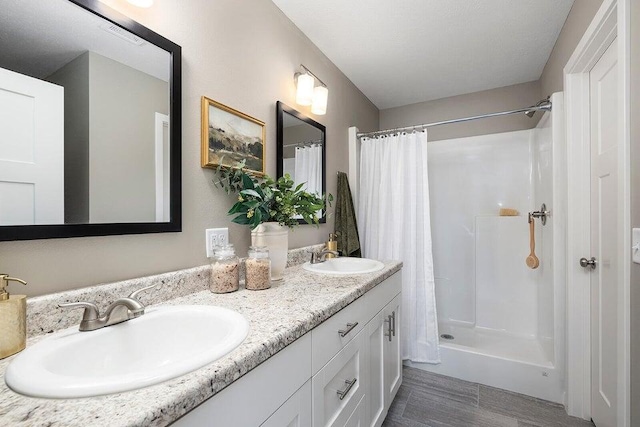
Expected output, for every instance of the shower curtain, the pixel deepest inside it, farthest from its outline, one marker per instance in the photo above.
(394, 220)
(309, 168)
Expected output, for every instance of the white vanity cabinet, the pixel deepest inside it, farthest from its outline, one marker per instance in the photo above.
(345, 372)
(374, 351)
(295, 412)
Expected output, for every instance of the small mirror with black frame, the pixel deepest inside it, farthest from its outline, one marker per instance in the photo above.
(301, 151)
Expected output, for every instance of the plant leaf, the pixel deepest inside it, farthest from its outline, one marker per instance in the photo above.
(241, 219)
(253, 193)
(247, 182)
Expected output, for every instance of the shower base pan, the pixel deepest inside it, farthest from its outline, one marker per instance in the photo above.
(497, 359)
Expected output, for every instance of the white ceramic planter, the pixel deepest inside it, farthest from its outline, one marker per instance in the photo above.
(276, 238)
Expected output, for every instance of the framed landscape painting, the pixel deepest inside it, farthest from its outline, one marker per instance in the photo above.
(229, 137)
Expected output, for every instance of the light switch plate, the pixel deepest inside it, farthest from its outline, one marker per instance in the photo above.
(635, 245)
(215, 237)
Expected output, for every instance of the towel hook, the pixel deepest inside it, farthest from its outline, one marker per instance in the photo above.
(543, 213)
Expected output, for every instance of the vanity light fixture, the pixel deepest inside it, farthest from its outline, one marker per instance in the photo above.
(307, 93)
(141, 3)
(319, 104)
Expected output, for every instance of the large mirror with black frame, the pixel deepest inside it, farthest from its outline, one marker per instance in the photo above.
(90, 123)
(301, 151)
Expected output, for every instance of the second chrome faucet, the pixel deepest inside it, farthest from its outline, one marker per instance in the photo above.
(119, 311)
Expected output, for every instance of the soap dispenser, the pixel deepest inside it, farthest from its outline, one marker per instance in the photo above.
(13, 319)
(332, 245)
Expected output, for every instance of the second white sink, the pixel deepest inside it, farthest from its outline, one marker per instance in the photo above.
(345, 266)
(164, 343)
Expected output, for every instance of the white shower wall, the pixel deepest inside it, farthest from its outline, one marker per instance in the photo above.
(479, 257)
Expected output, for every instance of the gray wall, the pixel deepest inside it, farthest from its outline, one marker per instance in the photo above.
(300, 133)
(635, 211)
(123, 103)
(243, 54)
(74, 76)
(582, 12)
(500, 99)
(472, 104)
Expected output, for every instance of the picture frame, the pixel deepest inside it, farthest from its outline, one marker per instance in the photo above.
(230, 136)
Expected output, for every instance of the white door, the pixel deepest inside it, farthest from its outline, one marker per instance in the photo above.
(605, 281)
(162, 137)
(31, 150)
(377, 333)
(392, 355)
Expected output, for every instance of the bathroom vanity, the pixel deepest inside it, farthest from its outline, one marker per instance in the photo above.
(321, 351)
(345, 372)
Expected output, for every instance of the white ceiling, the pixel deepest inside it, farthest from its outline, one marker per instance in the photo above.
(408, 51)
(38, 37)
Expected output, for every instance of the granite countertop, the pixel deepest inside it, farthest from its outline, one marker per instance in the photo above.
(277, 317)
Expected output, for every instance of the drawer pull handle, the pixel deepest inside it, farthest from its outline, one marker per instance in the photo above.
(343, 332)
(389, 332)
(343, 393)
(393, 319)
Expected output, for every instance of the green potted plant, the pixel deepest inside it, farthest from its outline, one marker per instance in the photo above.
(270, 207)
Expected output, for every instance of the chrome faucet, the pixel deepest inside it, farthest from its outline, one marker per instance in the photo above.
(119, 311)
(318, 257)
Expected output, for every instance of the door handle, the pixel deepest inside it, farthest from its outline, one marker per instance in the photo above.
(393, 321)
(588, 263)
(389, 332)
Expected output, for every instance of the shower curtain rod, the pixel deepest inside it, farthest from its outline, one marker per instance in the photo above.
(544, 105)
(295, 144)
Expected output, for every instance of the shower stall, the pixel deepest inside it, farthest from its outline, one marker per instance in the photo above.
(500, 323)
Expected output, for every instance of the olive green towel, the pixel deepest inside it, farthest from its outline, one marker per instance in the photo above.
(346, 225)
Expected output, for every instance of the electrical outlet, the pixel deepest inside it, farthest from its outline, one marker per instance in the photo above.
(215, 237)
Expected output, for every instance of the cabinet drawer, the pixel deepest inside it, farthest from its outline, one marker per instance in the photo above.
(339, 387)
(332, 335)
(378, 297)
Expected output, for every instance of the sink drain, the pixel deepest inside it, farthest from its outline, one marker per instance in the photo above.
(446, 336)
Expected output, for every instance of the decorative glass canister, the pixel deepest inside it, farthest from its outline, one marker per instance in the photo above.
(276, 238)
(258, 269)
(225, 271)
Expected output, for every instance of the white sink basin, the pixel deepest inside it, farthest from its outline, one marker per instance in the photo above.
(345, 266)
(164, 343)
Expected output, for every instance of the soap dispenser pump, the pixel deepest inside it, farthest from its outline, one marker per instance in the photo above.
(13, 319)
(332, 244)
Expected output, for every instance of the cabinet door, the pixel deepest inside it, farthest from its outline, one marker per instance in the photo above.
(340, 385)
(392, 351)
(377, 334)
(359, 415)
(295, 412)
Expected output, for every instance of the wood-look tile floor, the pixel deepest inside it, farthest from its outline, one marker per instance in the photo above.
(431, 400)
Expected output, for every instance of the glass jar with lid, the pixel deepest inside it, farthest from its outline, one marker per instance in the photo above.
(225, 271)
(258, 269)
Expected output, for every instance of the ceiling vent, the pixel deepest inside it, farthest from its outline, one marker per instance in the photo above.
(122, 33)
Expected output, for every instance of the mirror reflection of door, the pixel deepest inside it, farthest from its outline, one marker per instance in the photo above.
(31, 150)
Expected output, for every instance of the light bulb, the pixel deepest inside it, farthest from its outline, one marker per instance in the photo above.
(141, 3)
(304, 94)
(320, 96)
